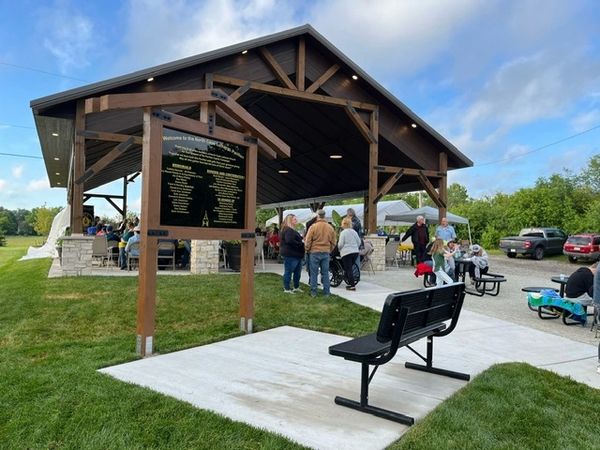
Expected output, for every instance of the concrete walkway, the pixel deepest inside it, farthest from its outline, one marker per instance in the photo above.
(283, 380)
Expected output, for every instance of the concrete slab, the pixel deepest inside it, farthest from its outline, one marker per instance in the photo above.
(283, 380)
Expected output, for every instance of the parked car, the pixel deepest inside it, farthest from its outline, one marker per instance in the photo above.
(584, 247)
(535, 242)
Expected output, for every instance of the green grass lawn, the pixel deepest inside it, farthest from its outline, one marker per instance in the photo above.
(55, 334)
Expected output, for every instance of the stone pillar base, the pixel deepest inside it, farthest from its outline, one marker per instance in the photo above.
(77, 255)
(204, 257)
(378, 255)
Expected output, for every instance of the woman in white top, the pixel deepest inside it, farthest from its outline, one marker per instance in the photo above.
(348, 245)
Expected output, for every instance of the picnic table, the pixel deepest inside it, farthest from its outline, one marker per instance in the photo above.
(562, 280)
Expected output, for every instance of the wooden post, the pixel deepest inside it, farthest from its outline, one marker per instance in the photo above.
(279, 210)
(371, 225)
(247, 257)
(443, 189)
(124, 198)
(146, 303)
(78, 170)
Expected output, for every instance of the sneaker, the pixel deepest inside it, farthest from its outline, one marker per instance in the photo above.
(297, 290)
(288, 291)
(350, 288)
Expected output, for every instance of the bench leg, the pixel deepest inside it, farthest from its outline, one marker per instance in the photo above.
(364, 406)
(428, 367)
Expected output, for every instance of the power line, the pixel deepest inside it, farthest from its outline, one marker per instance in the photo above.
(20, 156)
(3, 124)
(42, 71)
(539, 148)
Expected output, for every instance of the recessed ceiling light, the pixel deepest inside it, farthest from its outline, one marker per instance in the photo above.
(414, 125)
(244, 52)
(57, 173)
(57, 183)
(283, 171)
(354, 77)
(56, 159)
(335, 156)
(150, 79)
(55, 134)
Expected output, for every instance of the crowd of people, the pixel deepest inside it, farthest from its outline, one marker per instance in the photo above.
(127, 240)
(314, 249)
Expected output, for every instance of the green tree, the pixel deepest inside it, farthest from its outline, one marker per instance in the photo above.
(8, 221)
(590, 176)
(43, 219)
(24, 222)
(457, 195)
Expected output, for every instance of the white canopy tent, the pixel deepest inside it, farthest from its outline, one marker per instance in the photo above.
(384, 209)
(431, 216)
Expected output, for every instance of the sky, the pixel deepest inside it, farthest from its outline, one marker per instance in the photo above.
(513, 84)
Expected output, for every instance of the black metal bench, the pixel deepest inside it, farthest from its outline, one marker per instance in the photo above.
(487, 284)
(406, 318)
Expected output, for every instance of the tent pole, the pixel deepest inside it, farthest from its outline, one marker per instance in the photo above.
(469, 228)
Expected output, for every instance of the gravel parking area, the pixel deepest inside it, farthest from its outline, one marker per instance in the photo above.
(511, 304)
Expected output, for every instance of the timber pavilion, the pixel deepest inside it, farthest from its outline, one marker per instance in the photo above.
(316, 126)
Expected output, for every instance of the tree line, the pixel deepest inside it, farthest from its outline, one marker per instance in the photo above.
(570, 201)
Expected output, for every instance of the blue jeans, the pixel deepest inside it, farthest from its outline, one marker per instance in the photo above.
(319, 260)
(291, 265)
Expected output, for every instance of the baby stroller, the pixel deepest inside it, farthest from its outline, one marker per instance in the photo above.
(336, 269)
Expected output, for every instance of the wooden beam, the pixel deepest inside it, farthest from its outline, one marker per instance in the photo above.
(323, 78)
(301, 64)
(149, 99)
(430, 189)
(227, 104)
(373, 174)
(408, 171)
(240, 91)
(150, 219)
(390, 182)
(257, 129)
(105, 196)
(443, 189)
(110, 137)
(92, 105)
(358, 122)
(125, 198)
(276, 68)
(292, 93)
(78, 170)
(104, 161)
(264, 149)
(114, 205)
(247, 260)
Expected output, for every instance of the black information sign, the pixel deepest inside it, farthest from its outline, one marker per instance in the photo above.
(203, 181)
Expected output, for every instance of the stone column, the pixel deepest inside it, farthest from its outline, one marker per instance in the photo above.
(204, 257)
(378, 255)
(77, 255)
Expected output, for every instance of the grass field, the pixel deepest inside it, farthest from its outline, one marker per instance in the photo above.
(55, 334)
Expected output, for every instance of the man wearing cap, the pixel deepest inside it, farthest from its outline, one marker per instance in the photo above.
(479, 262)
(319, 242)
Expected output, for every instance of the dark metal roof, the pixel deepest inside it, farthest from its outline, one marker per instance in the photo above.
(312, 130)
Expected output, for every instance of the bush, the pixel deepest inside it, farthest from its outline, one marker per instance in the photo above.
(2, 240)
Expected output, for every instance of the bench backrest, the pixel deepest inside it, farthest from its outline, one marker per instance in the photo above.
(407, 312)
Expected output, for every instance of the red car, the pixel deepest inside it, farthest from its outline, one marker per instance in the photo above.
(585, 246)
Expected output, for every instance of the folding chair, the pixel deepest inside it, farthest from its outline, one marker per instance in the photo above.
(166, 255)
(366, 260)
(133, 260)
(99, 250)
(391, 253)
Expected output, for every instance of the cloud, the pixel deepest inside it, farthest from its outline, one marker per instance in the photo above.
(38, 185)
(158, 32)
(17, 171)
(586, 120)
(3, 184)
(69, 35)
(407, 36)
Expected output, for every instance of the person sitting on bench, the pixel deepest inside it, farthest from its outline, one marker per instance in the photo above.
(580, 285)
(479, 262)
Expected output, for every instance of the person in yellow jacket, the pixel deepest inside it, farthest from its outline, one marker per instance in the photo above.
(319, 242)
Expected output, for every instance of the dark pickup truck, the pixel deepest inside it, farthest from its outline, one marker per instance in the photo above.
(535, 242)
